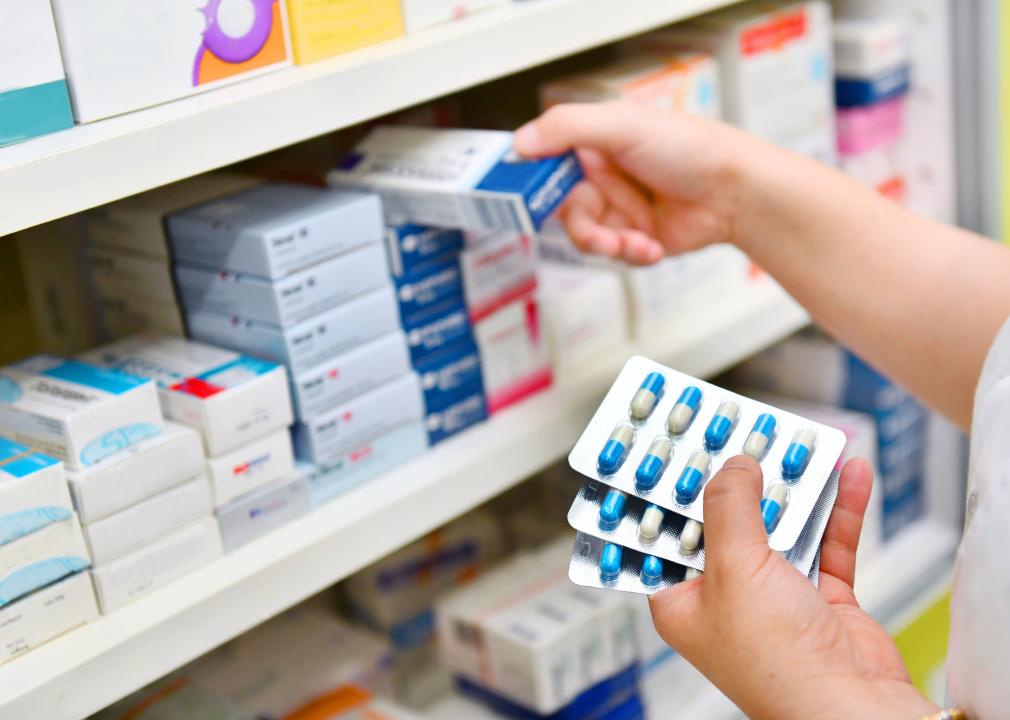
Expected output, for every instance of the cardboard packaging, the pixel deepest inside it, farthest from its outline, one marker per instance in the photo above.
(33, 490)
(46, 614)
(257, 512)
(238, 472)
(41, 558)
(413, 248)
(513, 352)
(498, 268)
(323, 29)
(420, 14)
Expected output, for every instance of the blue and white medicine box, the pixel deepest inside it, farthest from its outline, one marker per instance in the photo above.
(437, 328)
(413, 248)
(41, 558)
(230, 399)
(457, 178)
(33, 89)
(420, 292)
(75, 411)
(457, 417)
(450, 374)
(275, 229)
(259, 511)
(860, 92)
(33, 491)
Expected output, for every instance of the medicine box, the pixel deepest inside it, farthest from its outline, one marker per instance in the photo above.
(498, 268)
(427, 288)
(157, 564)
(257, 512)
(413, 248)
(275, 229)
(449, 374)
(140, 314)
(456, 417)
(142, 471)
(322, 29)
(33, 491)
(77, 412)
(136, 225)
(137, 53)
(310, 343)
(250, 466)
(457, 178)
(229, 398)
(40, 558)
(46, 614)
(866, 47)
(33, 90)
(513, 352)
(138, 525)
(289, 300)
(437, 328)
(682, 81)
(351, 374)
(419, 14)
(363, 462)
(366, 417)
(122, 276)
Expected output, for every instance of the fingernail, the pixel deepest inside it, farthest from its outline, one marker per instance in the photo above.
(739, 462)
(527, 138)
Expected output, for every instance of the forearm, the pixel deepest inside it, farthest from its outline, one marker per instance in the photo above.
(919, 300)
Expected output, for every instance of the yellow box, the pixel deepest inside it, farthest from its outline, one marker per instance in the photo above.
(324, 28)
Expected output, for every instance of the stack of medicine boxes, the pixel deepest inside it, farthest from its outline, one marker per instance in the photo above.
(298, 275)
(44, 587)
(128, 255)
(241, 409)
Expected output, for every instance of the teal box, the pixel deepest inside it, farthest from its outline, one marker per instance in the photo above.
(32, 111)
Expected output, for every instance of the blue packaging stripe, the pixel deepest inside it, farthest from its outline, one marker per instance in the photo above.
(450, 374)
(860, 92)
(436, 329)
(456, 418)
(33, 111)
(543, 183)
(28, 465)
(418, 293)
(413, 249)
(251, 365)
(32, 577)
(112, 381)
(9, 449)
(14, 526)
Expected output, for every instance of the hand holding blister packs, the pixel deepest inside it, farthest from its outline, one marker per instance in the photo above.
(648, 453)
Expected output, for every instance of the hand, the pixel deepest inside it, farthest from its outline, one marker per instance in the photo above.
(764, 635)
(656, 181)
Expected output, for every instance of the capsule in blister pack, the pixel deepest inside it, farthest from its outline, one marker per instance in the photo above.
(597, 563)
(663, 440)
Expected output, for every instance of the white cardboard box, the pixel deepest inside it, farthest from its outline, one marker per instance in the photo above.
(419, 14)
(275, 229)
(40, 558)
(33, 488)
(140, 314)
(157, 564)
(46, 614)
(144, 470)
(261, 510)
(128, 530)
(349, 375)
(366, 417)
(285, 301)
(230, 399)
(122, 276)
(866, 47)
(304, 346)
(76, 412)
(498, 268)
(137, 53)
(514, 358)
(250, 466)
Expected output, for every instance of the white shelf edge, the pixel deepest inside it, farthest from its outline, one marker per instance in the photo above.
(97, 664)
(90, 165)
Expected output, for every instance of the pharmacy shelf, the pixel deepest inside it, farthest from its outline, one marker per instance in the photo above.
(101, 662)
(89, 165)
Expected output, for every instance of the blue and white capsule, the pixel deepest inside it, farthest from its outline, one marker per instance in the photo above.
(651, 524)
(610, 562)
(692, 477)
(773, 506)
(652, 571)
(684, 410)
(647, 396)
(690, 537)
(761, 437)
(799, 452)
(650, 470)
(720, 427)
(612, 510)
(616, 449)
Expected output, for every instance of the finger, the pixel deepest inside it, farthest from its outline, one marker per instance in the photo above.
(626, 197)
(583, 218)
(675, 612)
(735, 535)
(600, 126)
(841, 537)
(638, 248)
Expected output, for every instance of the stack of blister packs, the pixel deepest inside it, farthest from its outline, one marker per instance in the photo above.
(647, 454)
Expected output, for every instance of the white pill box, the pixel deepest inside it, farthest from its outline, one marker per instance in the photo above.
(304, 346)
(121, 276)
(353, 373)
(229, 398)
(457, 178)
(33, 491)
(622, 469)
(513, 351)
(46, 614)
(144, 470)
(157, 564)
(498, 268)
(77, 412)
(275, 229)
(289, 300)
(326, 437)
(250, 466)
(40, 558)
(128, 530)
(363, 462)
(866, 47)
(261, 510)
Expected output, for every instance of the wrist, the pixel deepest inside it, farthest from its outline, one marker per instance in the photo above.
(879, 699)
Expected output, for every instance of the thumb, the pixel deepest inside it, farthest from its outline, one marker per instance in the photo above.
(600, 126)
(733, 524)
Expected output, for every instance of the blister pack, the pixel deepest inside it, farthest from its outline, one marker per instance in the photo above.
(659, 435)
